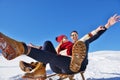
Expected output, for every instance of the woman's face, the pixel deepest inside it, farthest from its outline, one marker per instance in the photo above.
(64, 39)
(74, 36)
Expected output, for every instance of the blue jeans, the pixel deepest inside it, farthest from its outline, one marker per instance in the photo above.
(58, 63)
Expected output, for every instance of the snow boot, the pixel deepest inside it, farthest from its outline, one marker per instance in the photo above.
(64, 76)
(39, 73)
(28, 67)
(78, 55)
(11, 48)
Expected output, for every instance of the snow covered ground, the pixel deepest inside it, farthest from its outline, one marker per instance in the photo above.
(103, 65)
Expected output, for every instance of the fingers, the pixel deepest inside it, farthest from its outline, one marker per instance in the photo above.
(116, 17)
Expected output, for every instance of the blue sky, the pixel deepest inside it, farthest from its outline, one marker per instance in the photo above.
(35, 21)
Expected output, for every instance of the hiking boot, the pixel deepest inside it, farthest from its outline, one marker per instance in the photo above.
(28, 67)
(64, 76)
(10, 47)
(78, 55)
(39, 73)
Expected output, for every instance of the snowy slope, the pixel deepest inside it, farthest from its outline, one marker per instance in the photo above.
(103, 65)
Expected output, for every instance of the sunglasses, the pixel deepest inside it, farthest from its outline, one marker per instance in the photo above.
(74, 35)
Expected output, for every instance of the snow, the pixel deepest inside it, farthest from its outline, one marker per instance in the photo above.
(103, 65)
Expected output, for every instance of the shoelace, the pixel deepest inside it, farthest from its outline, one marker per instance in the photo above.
(3, 45)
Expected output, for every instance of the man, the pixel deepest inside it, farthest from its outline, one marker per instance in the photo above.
(59, 64)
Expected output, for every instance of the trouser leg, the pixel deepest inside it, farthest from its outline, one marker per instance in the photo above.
(41, 55)
(60, 64)
(48, 46)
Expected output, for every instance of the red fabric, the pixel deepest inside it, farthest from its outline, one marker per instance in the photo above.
(59, 38)
(67, 45)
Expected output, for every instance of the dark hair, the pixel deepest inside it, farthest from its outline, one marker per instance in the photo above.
(56, 38)
(74, 31)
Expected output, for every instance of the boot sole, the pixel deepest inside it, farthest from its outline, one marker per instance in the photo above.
(78, 55)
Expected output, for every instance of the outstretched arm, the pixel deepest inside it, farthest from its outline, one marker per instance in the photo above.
(34, 46)
(92, 34)
(111, 21)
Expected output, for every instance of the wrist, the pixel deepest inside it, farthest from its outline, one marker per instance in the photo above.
(107, 26)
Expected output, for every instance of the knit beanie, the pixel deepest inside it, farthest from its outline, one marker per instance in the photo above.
(60, 37)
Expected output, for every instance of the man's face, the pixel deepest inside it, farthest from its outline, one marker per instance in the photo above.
(74, 36)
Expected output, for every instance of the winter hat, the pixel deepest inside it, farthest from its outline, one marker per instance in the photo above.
(60, 37)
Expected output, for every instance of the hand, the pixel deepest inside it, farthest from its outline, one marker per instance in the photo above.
(99, 28)
(112, 20)
(30, 44)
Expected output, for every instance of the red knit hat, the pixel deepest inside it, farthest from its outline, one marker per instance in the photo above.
(59, 38)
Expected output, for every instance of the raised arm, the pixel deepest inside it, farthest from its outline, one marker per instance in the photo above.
(34, 46)
(91, 34)
(111, 21)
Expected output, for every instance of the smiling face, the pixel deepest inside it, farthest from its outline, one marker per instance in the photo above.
(74, 36)
(65, 39)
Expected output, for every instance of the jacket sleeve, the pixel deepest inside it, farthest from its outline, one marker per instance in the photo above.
(96, 36)
(92, 36)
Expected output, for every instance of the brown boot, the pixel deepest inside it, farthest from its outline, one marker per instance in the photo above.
(78, 55)
(10, 47)
(38, 73)
(28, 67)
(63, 76)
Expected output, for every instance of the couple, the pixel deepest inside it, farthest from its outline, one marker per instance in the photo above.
(58, 63)
(64, 48)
